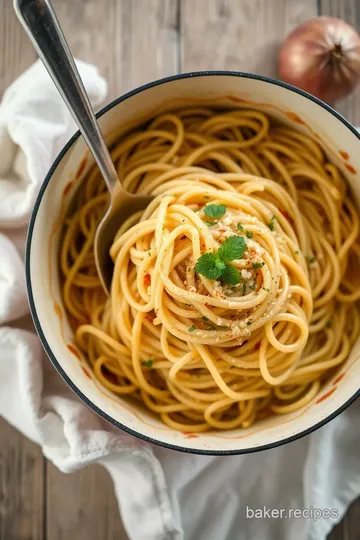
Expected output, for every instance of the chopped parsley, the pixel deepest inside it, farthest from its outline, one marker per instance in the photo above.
(244, 288)
(192, 328)
(297, 252)
(210, 223)
(258, 265)
(272, 223)
(206, 196)
(248, 323)
(311, 260)
(214, 210)
(240, 227)
(249, 234)
(328, 324)
(266, 289)
(147, 363)
(215, 265)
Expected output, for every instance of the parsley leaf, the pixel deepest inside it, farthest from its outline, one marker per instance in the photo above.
(231, 275)
(214, 210)
(240, 227)
(210, 223)
(210, 266)
(272, 223)
(192, 328)
(213, 265)
(147, 363)
(233, 248)
(258, 265)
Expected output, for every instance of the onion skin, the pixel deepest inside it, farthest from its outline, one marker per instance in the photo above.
(322, 56)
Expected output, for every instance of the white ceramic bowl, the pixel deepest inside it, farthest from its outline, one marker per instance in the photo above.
(295, 107)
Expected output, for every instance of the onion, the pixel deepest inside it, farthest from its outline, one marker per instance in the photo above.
(322, 56)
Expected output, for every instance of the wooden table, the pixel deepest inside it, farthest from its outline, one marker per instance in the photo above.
(134, 41)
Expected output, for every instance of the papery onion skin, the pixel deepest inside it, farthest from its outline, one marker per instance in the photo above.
(322, 56)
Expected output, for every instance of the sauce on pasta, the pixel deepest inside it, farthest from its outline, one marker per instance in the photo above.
(256, 327)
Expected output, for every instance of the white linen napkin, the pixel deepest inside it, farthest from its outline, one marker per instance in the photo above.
(162, 494)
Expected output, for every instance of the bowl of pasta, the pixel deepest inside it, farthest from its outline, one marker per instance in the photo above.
(232, 324)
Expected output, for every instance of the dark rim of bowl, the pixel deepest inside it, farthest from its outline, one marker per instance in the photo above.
(33, 311)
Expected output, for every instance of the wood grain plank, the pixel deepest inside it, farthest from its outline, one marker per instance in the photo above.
(348, 10)
(21, 486)
(352, 522)
(15, 52)
(349, 527)
(150, 35)
(82, 506)
(242, 35)
(338, 532)
(131, 41)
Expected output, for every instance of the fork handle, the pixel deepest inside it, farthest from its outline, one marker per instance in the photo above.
(41, 24)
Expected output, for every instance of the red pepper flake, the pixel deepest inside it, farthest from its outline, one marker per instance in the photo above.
(86, 372)
(286, 215)
(58, 311)
(190, 435)
(325, 396)
(147, 280)
(344, 155)
(257, 346)
(73, 350)
(338, 379)
(295, 118)
(67, 188)
(350, 168)
(81, 167)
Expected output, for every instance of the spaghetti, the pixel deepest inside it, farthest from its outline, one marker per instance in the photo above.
(250, 333)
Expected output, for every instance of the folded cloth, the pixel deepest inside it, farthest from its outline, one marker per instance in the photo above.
(162, 494)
